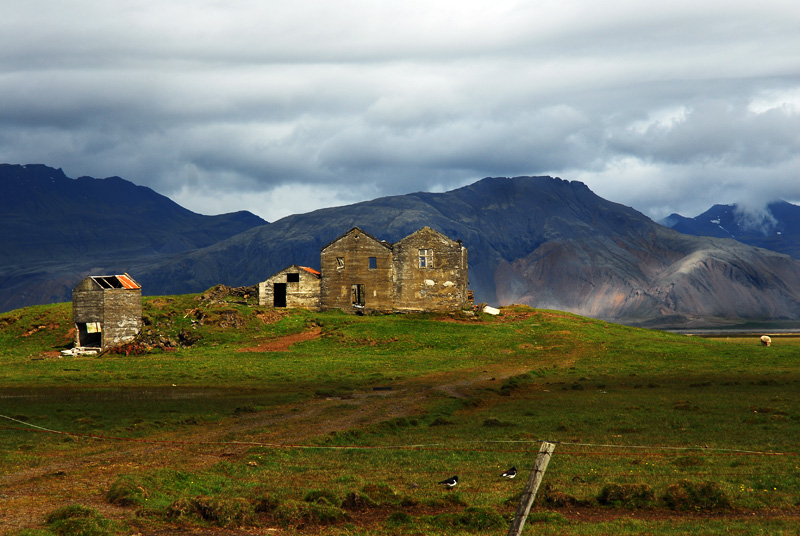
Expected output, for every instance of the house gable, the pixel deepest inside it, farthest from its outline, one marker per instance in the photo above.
(356, 273)
(430, 272)
(294, 286)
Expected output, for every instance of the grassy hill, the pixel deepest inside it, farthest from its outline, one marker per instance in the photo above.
(229, 418)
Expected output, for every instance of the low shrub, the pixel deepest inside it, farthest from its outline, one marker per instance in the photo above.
(440, 421)
(358, 501)
(294, 512)
(471, 518)
(222, 512)
(124, 492)
(265, 504)
(382, 493)
(496, 423)
(77, 520)
(627, 496)
(399, 518)
(551, 497)
(547, 516)
(321, 496)
(696, 496)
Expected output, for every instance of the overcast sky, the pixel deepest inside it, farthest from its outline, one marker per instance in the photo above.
(282, 107)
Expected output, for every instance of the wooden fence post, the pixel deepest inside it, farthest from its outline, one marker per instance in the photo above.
(531, 487)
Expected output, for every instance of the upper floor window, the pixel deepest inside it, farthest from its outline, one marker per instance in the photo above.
(373, 263)
(293, 278)
(426, 258)
(339, 263)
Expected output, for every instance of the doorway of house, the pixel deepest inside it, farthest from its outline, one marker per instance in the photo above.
(358, 295)
(279, 295)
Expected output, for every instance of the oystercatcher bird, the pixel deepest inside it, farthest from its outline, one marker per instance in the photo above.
(450, 483)
(510, 473)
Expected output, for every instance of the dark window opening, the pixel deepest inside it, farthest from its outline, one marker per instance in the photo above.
(292, 278)
(373, 263)
(358, 295)
(279, 295)
(339, 262)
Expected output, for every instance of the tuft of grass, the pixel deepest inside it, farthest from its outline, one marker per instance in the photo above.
(292, 512)
(696, 496)
(630, 496)
(472, 518)
(322, 496)
(78, 520)
(221, 511)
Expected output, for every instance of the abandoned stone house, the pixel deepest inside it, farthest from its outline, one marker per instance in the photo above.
(295, 286)
(425, 271)
(106, 311)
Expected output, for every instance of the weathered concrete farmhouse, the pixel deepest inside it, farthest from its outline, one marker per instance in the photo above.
(106, 310)
(425, 271)
(295, 286)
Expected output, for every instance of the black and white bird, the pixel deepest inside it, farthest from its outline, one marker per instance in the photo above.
(450, 483)
(510, 473)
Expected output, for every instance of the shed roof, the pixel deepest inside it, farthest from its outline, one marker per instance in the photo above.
(116, 281)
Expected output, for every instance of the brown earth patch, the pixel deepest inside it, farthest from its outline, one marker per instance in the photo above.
(269, 317)
(282, 344)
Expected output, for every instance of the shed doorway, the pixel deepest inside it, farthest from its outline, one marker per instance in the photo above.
(90, 334)
(279, 295)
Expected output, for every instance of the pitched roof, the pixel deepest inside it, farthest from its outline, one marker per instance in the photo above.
(359, 230)
(309, 270)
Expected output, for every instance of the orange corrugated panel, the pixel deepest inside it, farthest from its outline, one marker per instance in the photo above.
(128, 282)
(310, 270)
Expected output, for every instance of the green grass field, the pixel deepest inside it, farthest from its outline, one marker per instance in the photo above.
(325, 423)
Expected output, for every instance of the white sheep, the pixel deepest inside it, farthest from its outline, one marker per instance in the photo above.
(765, 340)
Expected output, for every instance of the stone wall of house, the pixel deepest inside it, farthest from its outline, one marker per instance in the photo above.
(439, 281)
(87, 302)
(122, 320)
(356, 267)
(302, 289)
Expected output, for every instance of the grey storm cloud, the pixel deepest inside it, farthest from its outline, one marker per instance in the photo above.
(285, 107)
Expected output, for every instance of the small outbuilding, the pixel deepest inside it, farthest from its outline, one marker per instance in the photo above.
(295, 286)
(106, 311)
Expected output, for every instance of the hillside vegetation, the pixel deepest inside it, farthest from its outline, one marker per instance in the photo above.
(229, 418)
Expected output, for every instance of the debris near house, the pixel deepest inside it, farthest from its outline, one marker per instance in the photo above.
(152, 340)
(222, 293)
(73, 352)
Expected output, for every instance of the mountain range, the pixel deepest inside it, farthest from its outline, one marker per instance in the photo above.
(777, 227)
(541, 241)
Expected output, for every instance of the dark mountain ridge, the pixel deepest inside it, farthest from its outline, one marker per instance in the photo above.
(42, 211)
(539, 241)
(777, 227)
(57, 229)
(535, 240)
